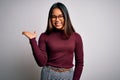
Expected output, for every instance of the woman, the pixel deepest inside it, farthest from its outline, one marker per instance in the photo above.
(57, 46)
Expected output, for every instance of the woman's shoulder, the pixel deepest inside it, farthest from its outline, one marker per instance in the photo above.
(43, 35)
(76, 34)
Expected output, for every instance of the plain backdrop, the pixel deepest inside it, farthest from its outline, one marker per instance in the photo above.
(97, 21)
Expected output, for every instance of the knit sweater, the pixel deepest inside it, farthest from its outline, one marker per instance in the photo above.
(57, 51)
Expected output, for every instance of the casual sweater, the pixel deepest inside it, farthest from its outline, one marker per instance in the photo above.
(57, 51)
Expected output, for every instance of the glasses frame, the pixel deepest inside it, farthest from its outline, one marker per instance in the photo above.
(57, 17)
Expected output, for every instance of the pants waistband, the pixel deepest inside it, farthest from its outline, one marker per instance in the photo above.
(58, 69)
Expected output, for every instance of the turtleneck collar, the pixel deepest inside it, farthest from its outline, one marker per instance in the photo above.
(58, 30)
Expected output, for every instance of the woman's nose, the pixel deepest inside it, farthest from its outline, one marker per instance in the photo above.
(57, 19)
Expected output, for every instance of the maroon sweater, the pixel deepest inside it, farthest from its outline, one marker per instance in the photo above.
(55, 50)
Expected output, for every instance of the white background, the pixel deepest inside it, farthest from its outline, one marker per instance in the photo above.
(97, 21)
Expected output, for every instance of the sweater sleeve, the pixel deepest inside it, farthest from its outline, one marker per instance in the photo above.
(39, 51)
(78, 57)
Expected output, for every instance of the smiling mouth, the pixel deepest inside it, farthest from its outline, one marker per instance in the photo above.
(58, 24)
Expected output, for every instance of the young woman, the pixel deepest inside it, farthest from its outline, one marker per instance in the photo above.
(57, 47)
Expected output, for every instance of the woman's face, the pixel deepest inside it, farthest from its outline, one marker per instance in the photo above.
(57, 19)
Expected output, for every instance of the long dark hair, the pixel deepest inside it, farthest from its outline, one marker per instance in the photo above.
(68, 27)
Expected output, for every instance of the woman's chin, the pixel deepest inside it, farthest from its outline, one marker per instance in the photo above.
(59, 27)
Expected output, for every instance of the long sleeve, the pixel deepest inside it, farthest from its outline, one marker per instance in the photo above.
(39, 51)
(78, 57)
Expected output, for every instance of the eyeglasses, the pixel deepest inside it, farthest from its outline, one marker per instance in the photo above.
(55, 17)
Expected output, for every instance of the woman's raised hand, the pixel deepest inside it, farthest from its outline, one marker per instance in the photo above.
(29, 34)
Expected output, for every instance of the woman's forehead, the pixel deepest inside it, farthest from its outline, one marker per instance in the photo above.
(56, 11)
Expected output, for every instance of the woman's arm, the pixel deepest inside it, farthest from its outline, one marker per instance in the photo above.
(78, 57)
(39, 50)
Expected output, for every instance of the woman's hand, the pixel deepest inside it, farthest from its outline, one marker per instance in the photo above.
(29, 34)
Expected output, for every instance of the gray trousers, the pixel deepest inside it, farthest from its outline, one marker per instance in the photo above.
(48, 74)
